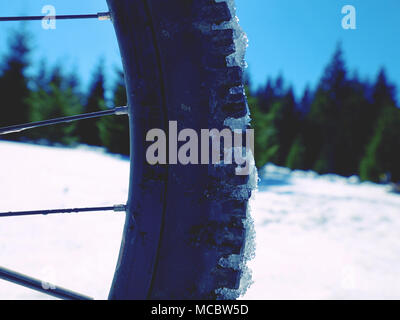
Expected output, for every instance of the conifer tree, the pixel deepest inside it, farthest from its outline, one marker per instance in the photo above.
(383, 157)
(88, 130)
(52, 99)
(325, 111)
(381, 154)
(114, 130)
(275, 130)
(14, 89)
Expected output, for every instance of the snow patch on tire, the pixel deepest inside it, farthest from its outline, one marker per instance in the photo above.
(239, 36)
(239, 261)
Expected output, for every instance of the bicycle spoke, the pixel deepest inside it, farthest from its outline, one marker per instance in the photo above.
(115, 208)
(100, 16)
(41, 286)
(32, 125)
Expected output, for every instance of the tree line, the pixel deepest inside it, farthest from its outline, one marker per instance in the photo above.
(345, 125)
(52, 93)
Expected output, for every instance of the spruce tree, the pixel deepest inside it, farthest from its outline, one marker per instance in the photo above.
(265, 96)
(383, 157)
(14, 89)
(305, 102)
(88, 130)
(353, 128)
(114, 130)
(297, 154)
(52, 99)
(322, 121)
(276, 130)
(259, 123)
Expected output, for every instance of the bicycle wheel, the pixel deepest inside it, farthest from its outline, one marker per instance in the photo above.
(186, 225)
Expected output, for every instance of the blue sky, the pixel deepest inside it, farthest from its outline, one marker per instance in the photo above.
(293, 37)
(297, 38)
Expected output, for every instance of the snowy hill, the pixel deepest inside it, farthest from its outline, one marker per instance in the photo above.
(322, 237)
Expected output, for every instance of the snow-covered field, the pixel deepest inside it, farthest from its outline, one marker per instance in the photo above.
(324, 237)
(318, 237)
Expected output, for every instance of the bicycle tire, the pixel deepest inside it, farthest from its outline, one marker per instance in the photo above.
(187, 231)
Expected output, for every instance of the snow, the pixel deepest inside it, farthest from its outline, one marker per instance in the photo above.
(240, 38)
(318, 237)
(240, 261)
(237, 124)
(237, 58)
(76, 251)
(324, 237)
